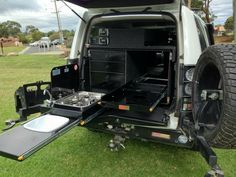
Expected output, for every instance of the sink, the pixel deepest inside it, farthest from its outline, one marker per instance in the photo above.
(46, 123)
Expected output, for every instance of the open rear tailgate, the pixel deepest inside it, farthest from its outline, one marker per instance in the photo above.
(120, 3)
(22, 141)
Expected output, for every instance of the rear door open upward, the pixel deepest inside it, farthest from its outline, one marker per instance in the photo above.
(121, 3)
(104, 6)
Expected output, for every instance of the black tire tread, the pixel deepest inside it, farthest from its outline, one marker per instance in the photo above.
(226, 135)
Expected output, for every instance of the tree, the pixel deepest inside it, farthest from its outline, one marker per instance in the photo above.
(204, 6)
(54, 36)
(51, 32)
(229, 23)
(189, 4)
(12, 27)
(36, 35)
(67, 33)
(3, 31)
(206, 10)
(30, 29)
(197, 4)
(23, 38)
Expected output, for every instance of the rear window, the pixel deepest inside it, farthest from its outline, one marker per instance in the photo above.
(201, 33)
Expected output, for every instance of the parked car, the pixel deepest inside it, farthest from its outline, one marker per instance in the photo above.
(44, 42)
(55, 42)
(34, 44)
(147, 70)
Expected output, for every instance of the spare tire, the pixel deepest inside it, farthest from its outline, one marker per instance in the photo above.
(215, 117)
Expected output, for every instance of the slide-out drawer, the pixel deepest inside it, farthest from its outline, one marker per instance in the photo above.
(24, 140)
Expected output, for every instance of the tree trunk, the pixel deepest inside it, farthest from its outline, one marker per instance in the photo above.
(208, 20)
(206, 10)
(189, 4)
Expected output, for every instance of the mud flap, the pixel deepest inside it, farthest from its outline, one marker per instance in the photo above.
(24, 140)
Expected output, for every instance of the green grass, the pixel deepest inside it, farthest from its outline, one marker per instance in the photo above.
(7, 50)
(83, 153)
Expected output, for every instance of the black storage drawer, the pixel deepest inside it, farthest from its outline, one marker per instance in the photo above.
(107, 66)
(107, 69)
(107, 55)
(106, 81)
(117, 56)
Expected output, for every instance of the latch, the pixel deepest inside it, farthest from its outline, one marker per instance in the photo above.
(211, 95)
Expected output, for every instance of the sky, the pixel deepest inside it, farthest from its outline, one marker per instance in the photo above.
(41, 13)
(222, 9)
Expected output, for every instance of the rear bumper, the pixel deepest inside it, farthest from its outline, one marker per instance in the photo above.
(137, 130)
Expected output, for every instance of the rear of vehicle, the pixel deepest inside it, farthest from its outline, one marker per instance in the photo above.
(124, 82)
(132, 56)
(131, 73)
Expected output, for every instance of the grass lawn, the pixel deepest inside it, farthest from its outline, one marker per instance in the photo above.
(7, 50)
(83, 153)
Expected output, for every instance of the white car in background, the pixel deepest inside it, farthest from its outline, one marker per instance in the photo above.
(56, 42)
(34, 44)
(44, 42)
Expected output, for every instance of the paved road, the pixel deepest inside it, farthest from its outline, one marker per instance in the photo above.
(34, 50)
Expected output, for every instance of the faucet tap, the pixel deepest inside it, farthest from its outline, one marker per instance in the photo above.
(50, 101)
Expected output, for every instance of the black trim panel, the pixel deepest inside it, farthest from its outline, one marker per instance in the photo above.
(120, 3)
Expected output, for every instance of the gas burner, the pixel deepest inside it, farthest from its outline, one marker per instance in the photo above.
(80, 99)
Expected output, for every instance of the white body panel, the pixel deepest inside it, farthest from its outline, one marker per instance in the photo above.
(191, 42)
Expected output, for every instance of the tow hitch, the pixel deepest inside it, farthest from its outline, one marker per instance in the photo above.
(117, 143)
(215, 172)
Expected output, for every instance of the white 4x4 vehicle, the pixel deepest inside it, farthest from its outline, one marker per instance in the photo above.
(143, 69)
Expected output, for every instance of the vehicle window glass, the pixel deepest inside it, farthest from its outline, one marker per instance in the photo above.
(201, 32)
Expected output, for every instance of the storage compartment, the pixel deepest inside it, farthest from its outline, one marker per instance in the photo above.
(134, 67)
(157, 65)
(152, 62)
